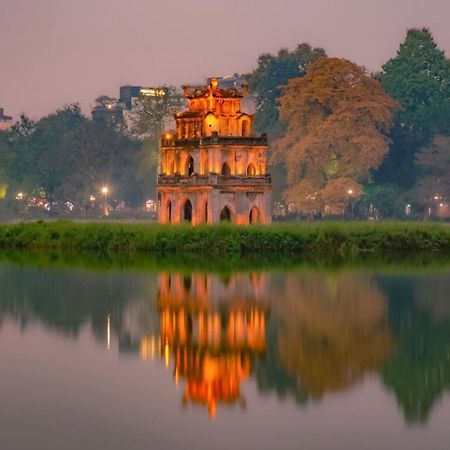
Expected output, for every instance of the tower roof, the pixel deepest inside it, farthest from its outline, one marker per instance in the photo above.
(213, 90)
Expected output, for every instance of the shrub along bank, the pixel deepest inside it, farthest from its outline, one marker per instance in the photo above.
(286, 239)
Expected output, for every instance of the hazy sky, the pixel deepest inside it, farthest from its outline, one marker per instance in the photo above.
(58, 51)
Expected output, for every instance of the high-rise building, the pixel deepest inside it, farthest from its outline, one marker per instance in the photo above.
(129, 94)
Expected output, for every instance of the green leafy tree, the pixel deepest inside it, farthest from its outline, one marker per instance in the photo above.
(66, 157)
(104, 100)
(271, 74)
(381, 201)
(419, 78)
(433, 162)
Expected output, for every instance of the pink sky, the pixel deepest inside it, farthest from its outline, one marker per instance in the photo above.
(59, 51)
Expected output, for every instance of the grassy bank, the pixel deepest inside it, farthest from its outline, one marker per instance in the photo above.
(285, 239)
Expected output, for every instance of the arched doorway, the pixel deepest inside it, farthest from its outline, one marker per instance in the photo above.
(251, 170)
(190, 166)
(225, 215)
(169, 212)
(226, 171)
(205, 213)
(187, 211)
(254, 216)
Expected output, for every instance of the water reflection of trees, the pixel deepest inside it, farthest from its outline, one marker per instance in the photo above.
(325, 331)
(65, 300)
(419, 371)
(331, 331)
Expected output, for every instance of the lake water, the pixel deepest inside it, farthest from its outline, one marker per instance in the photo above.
(311, 357)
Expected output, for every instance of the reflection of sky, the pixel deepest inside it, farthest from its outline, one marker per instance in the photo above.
(72, 364)
(75, 394)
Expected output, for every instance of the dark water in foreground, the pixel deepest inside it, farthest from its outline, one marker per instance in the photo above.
(330, 358)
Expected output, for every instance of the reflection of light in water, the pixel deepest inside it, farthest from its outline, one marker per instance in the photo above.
(166, 353)
(147, 348)
(108, 332)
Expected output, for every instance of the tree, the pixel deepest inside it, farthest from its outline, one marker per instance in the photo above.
(381, 201)
(337, 118)
(150, 113)
(17, 158)
(66, 157)
(266, 81)
(433, 162)
(419, 78)
(105, 100)
(271, 74)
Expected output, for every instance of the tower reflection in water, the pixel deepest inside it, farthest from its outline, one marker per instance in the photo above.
(211, 328)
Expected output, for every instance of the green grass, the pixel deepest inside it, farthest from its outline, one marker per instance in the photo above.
(293, 239)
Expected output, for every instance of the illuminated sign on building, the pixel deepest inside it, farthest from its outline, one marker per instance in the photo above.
(152, 92)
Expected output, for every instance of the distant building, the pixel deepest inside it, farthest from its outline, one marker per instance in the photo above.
(129, 94)
(5, 121)
(111, 113)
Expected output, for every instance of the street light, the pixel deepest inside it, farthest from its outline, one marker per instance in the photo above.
(350, 193)
(105, 191)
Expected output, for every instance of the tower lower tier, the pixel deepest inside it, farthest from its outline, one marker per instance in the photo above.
(243, 205)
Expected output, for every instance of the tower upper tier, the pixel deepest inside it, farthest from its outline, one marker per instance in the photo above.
(213, 110)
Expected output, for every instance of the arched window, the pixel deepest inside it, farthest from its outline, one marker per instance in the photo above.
(172, 168)
(169, 211)
(254, 216)
(189, 166)
(251, 170)
(225, 215)
(226, 171)
(187, 211)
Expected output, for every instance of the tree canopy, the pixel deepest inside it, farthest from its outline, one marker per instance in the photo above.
(433, 162)
(337, 122)
(419, 78)
(271, 74)
(150, 113)
(66, 157)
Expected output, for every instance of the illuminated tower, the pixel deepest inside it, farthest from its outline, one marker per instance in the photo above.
(213, 167)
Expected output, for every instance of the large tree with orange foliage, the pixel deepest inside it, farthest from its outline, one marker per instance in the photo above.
(338, 117)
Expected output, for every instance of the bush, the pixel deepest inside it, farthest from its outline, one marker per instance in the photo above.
(292, 239)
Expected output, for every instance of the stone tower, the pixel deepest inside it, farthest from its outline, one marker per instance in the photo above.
(213, 168)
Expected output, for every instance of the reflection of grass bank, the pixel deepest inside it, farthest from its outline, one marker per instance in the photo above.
(287, 239)
(386, 263)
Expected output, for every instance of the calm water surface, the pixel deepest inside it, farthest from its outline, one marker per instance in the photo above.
(350, 358)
